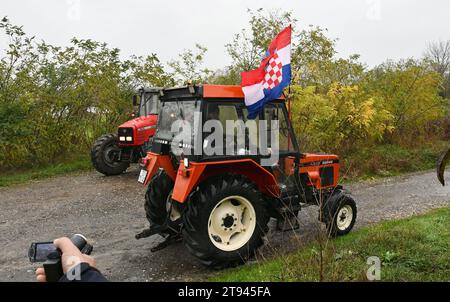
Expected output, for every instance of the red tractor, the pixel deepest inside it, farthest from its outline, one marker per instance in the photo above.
(112, 153)
(220, 203)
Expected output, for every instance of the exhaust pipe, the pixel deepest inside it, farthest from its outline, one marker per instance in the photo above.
(442, 162)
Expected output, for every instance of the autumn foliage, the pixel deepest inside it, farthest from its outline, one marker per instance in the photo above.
(54, 101)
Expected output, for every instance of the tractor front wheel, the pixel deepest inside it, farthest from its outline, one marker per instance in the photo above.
(340, 214)
(225, 221)
(104, 156)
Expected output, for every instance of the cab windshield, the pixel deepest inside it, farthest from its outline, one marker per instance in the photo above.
(174, 114)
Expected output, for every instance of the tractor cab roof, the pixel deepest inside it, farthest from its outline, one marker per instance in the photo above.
(205, 91)
(149, 89)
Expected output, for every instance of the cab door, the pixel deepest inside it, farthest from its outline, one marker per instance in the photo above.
(285, 170)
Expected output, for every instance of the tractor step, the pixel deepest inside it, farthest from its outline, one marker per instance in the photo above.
(288, 223)
(289, 209)
(288, 213)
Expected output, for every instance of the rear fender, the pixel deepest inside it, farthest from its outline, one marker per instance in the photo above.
(153, 162)
(441, 164)
(189, 178)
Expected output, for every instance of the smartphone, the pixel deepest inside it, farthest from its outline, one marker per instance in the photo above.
(40, 251)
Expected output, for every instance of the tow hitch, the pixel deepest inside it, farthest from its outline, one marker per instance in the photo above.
(442, 162)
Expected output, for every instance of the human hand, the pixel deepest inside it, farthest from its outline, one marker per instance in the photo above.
(71, 256)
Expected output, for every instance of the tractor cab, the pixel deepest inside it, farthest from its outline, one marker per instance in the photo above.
(192, 130)
(213, 175)
(147, 101)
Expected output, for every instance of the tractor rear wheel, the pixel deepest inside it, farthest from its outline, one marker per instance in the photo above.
(225, 221)
(158, 203)
(103, 156)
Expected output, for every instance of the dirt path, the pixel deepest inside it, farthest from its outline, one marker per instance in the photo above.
(109, 210)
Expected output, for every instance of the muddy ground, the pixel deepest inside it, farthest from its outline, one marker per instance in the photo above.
(109, 211)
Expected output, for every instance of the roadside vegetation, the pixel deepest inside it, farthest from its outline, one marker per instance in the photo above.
(386, 160)
(40, 172)
(55, 101)
(412, 249)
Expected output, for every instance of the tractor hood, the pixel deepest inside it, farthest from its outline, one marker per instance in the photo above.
(141, 122)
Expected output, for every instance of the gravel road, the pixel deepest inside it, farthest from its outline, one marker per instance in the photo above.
(109, 211)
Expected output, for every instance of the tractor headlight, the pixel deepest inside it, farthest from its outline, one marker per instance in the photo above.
(126, 135)
(186, 162)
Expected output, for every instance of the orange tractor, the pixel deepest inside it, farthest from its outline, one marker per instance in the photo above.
(220, 204)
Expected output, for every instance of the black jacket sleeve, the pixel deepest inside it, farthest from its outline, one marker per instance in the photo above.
(87, 274)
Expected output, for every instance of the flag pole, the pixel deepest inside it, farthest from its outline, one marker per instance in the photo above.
(289, 107)
(289, 116)
(289, 103)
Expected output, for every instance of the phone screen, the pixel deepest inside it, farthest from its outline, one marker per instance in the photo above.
(41, 250)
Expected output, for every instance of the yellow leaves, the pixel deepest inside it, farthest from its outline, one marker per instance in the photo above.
(346, 114)
(407, 93)
(396, 101)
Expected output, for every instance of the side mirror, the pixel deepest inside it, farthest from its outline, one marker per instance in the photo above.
(135, 100)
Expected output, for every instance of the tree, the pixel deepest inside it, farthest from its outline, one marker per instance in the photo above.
(54, 101)
(249, 46)
(229, 75)
(313, 53)
(345, 118)
(410, 92)
(438, 56)
(189, 66)
(314, 61)
(148, 71)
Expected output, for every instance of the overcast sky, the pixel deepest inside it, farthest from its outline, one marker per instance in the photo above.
(375, 29)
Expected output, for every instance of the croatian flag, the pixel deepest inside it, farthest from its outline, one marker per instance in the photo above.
(267, 82)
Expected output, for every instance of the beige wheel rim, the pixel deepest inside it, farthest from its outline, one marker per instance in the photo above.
(231, 223)
(174, 213)
(344, 217)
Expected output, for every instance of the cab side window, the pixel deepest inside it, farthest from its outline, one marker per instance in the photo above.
(244, 140)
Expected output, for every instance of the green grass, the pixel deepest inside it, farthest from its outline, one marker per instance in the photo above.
(390, 160)
(412, 249)
(18, 177)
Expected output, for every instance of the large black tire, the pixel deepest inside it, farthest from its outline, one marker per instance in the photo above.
(157, 202)
(197, 214)
(339, 222)
(101, 156)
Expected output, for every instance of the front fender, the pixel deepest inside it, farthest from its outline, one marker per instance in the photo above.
(153, 162)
